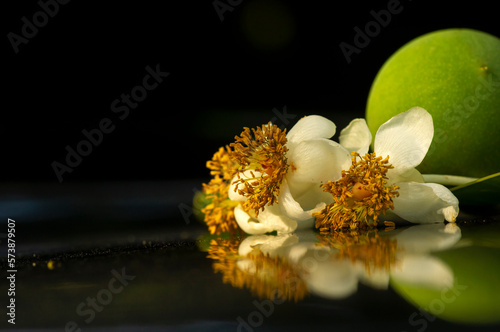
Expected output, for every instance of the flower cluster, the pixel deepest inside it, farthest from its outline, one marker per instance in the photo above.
(269, 180)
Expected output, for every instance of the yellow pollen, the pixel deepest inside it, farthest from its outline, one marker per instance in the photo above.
(219, 213)
(222, 164)
(360, 195)
(260, 150)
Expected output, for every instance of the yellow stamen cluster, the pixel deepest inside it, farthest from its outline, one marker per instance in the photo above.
(260, 150)
(368, 247)
(360, 195)
(270, 277)
(222, 165)
(219, 213)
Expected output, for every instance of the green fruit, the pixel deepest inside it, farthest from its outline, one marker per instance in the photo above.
(455, 75)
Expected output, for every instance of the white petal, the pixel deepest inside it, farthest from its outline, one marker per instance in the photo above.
(311, 127)
(268, 221)
(356, 137)
(406, 175)
(311, 197)
(405, 138)
(425, 203)
(299, 189)
(317, 161)
(292, 209)
(423, 271)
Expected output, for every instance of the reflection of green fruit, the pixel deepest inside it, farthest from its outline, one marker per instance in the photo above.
(474, 297)
(455, 75)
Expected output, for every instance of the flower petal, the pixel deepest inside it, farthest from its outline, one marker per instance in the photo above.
(356, 137)
(310, 198)
(425, 203)
(268, 221)
(317, 161)
(405, 138)
(408, 175)
(311, 127)
(292, 209)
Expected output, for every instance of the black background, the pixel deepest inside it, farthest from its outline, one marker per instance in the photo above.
(222, 77)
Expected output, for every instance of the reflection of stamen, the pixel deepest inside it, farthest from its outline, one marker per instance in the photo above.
(269, 277)
(360, 195)
(389, 225)
(225, 254)
(374, 251)
(265, 153)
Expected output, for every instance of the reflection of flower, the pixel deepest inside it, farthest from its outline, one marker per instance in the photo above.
(375, 252)
(420, 268)
(387, 179)
(290, 266)
(276, 167)
(373, 258)
(266, 275)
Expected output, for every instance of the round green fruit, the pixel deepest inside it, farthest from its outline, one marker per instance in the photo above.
(455, 75)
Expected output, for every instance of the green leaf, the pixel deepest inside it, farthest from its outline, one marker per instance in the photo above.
(483, 191)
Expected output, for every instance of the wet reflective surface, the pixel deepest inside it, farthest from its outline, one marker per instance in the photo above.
(430, 266)
(120, 273)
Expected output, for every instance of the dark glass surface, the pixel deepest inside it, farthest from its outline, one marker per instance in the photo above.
(112, 269)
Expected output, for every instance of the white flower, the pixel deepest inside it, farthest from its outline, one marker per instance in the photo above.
(387, 179)
(406, 139)
(285, 170)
